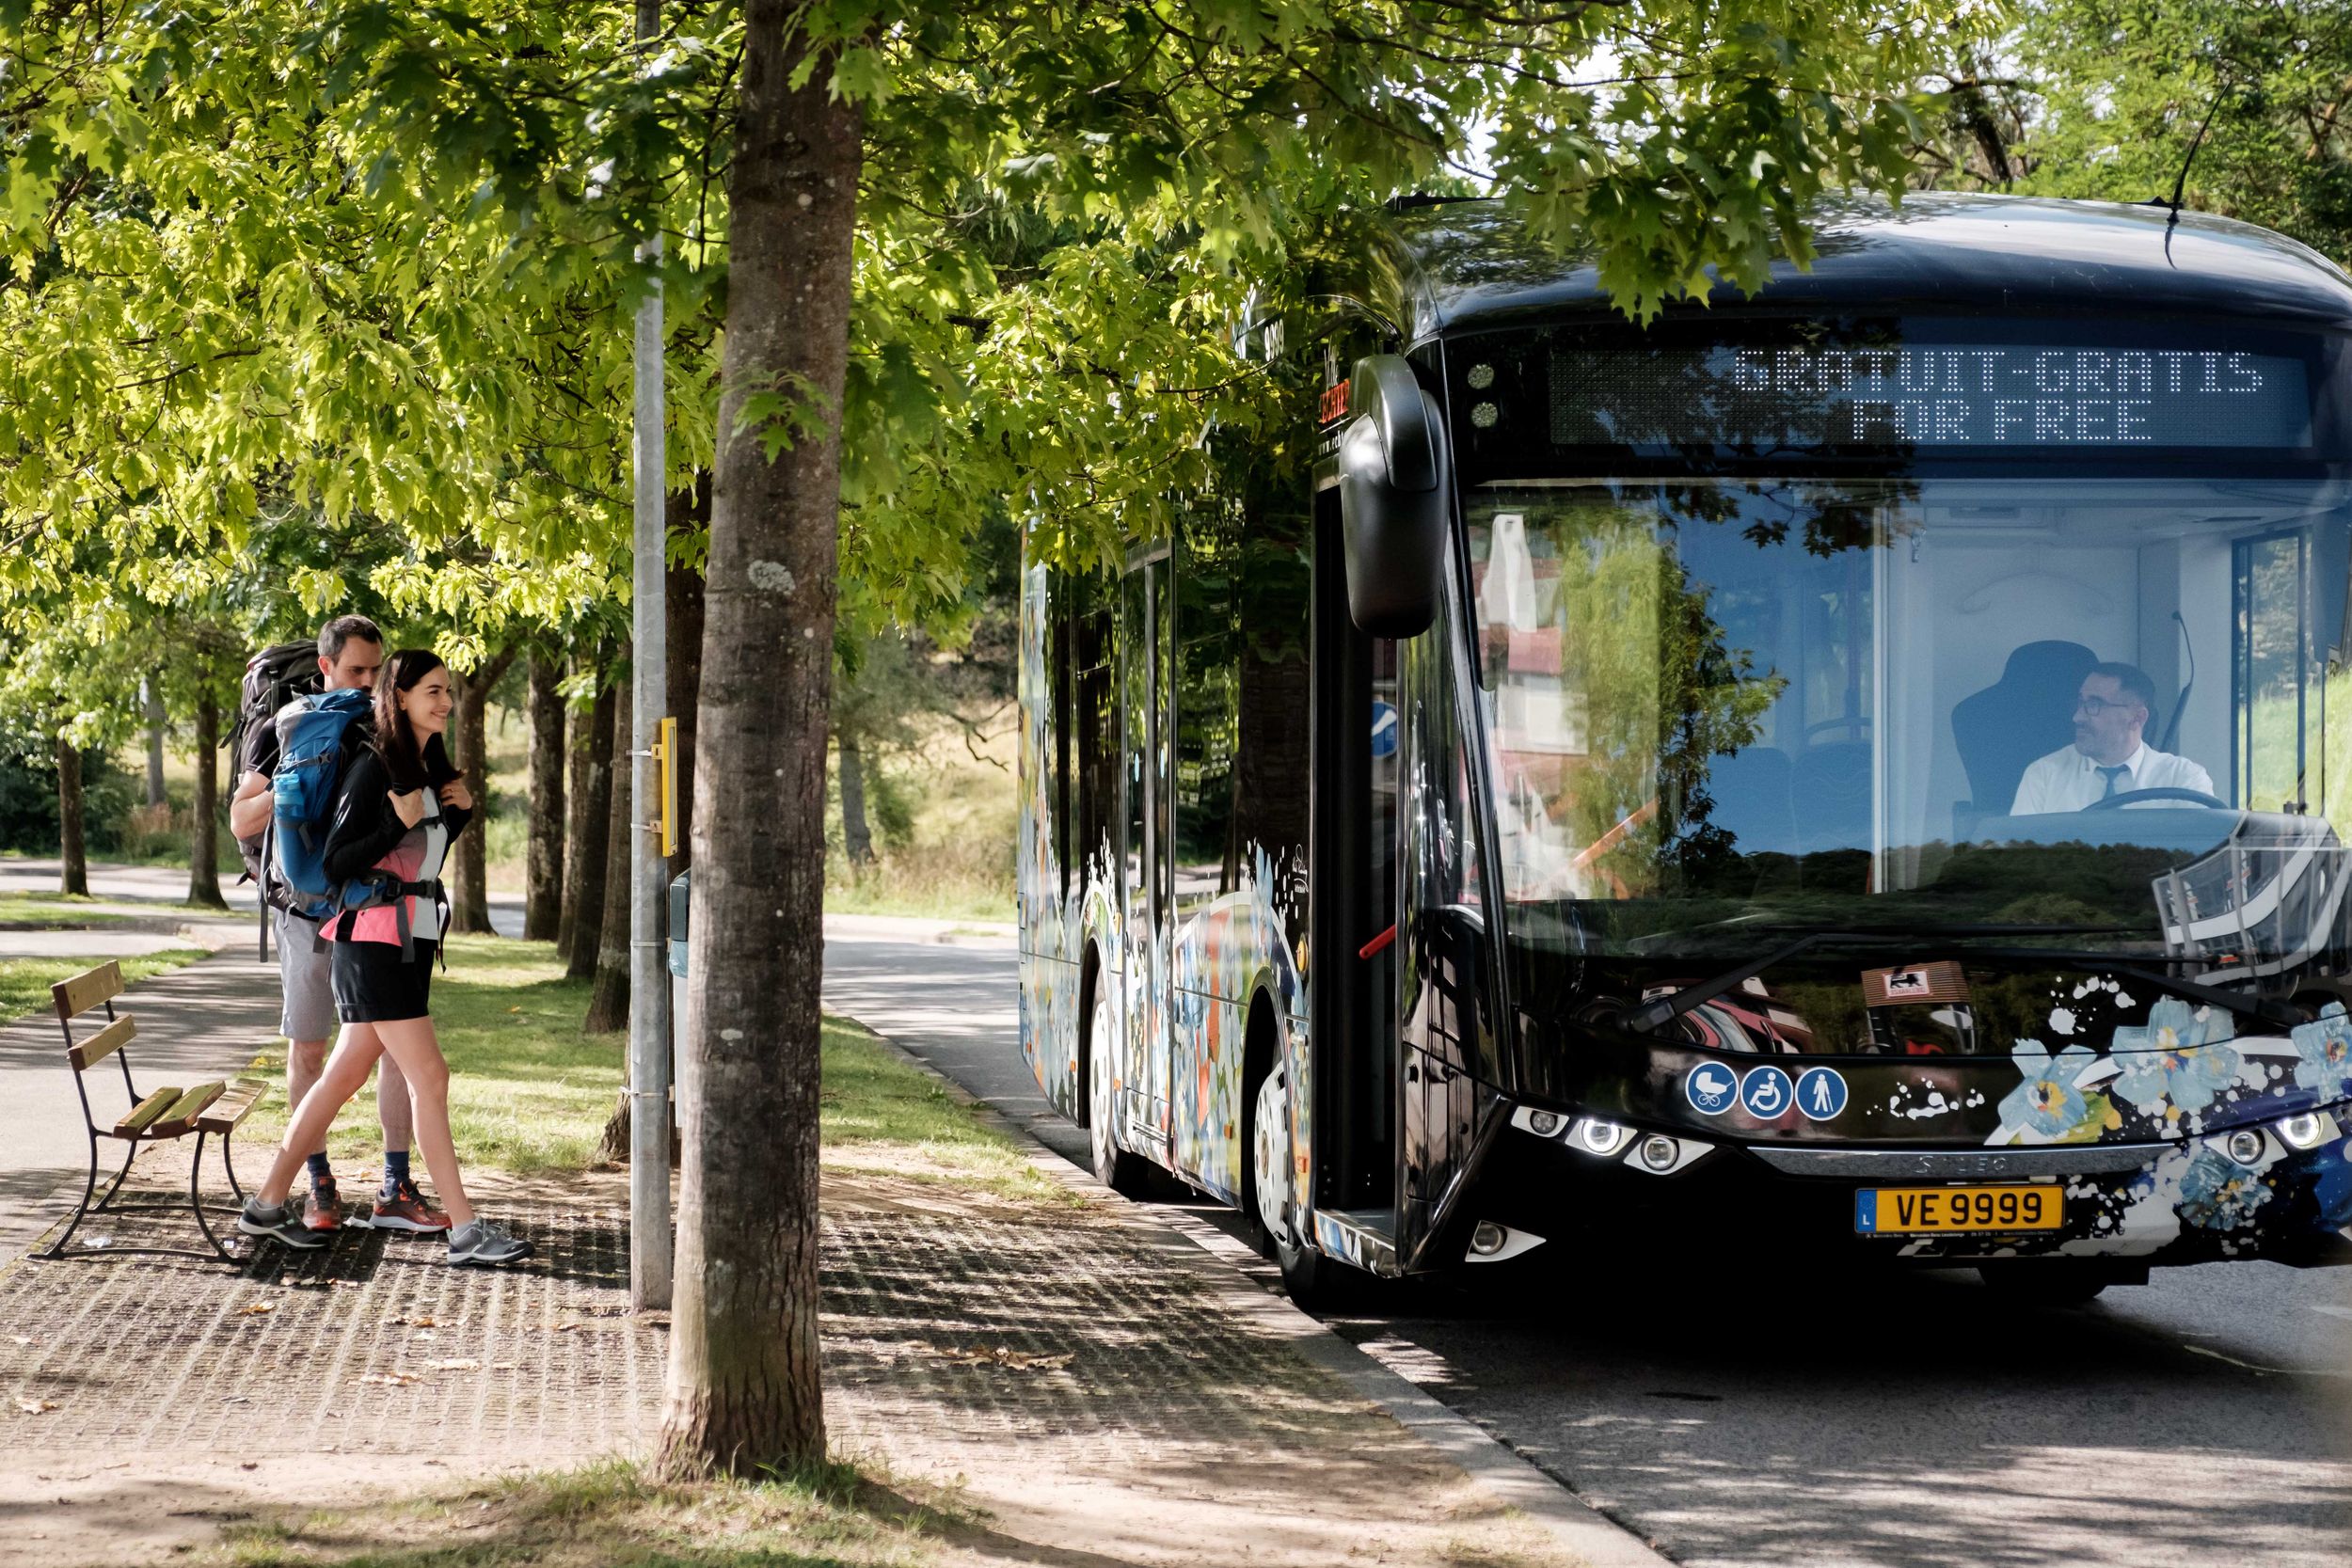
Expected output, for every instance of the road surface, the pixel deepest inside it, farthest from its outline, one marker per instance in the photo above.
(1734, 1419)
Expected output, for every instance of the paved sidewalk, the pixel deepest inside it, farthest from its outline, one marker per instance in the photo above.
(206, 1021)
(1106, 1392)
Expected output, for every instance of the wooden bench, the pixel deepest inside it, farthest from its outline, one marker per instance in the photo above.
(212, 1109)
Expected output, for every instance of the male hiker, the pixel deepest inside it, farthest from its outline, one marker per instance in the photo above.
(351, 651)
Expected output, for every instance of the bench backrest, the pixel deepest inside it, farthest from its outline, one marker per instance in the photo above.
(78, 995)
(81, 992)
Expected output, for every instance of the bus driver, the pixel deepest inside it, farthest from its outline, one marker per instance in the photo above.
(2108, 756)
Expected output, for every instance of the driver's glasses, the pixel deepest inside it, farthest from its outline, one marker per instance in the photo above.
(2096, 706)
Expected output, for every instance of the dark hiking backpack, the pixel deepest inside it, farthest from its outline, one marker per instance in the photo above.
(272, 677)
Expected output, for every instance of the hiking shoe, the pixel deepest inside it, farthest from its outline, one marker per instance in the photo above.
(482, 1245)
(401, 1206)
(323, 1208)
(281, 1220)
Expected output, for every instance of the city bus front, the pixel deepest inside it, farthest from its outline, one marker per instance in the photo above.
(1907, 755)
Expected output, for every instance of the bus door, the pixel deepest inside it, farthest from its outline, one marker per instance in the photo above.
(1146, 854)
(1444, 970)
(1352, 910)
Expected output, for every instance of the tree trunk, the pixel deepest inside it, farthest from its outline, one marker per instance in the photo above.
(743, 1390)
(470, 868)
(543, 873)
(856, 836)
(683, 589)
(152, 707)
(608, 1002)
(72, 857)
(583, 846)
(204, 815)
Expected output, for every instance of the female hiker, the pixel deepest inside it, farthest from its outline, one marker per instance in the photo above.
(397, 809)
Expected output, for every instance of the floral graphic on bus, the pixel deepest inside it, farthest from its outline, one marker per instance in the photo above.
(2218, 1194)
(2048, 1102)
(2325, 1046)
(2176, 1062)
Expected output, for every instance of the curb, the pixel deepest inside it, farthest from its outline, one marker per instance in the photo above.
(1220, 1261)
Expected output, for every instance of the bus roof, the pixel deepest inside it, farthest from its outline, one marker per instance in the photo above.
(1472, 264)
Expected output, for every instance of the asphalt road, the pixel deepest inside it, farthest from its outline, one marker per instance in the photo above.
(1736, 1418)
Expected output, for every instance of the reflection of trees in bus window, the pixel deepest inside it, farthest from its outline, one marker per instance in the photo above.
(1442, 976)
(1208, 713)
(1242, 598)
(1610, 685)
(1095, 720)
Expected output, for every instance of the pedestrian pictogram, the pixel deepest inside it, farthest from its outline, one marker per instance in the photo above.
(1822, 1093)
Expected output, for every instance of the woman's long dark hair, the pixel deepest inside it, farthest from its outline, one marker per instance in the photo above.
(411, 767)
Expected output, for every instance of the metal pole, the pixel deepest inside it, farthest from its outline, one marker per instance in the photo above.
(649, 1234)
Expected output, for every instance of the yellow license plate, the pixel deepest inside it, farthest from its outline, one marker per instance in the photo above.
(1917, 1210)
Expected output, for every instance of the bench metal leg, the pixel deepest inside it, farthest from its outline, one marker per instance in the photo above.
(218, 1251)
(230, 1170)
(89, 1185)
(195, 1197)
(114, 1186)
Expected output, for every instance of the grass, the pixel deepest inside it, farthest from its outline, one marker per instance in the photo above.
(956, 862)
(53, 911)
(612, 1514)
(880, 1116)
(529, 1094)
(24, 982)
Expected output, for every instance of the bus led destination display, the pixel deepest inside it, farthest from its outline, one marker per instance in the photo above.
(1981, 395)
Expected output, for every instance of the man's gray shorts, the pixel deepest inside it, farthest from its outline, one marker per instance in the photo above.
(305, 972)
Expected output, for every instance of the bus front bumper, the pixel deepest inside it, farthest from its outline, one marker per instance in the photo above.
(2193, 1200)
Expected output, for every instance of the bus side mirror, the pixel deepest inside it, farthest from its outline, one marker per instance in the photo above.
(1392, 499)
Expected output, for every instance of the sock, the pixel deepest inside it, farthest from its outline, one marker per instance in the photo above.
(395, 1168)
(319, 1171)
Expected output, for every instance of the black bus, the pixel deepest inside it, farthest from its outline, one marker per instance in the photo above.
(1847, 768)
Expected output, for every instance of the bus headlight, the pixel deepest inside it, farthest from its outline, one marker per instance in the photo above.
(2245, 1145)
(1659, 1153)
(2308, 1131)
(1603, 1138)
(1542, 1123)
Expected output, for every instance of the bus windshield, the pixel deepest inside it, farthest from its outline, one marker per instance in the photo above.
(1717, 706)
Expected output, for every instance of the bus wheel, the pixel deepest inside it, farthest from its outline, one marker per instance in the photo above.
(2057, 1282)
(1306, 1274)
(1125, 1174)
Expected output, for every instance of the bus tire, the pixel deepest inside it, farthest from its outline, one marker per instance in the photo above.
(1128, 1174)
(1307, 1275)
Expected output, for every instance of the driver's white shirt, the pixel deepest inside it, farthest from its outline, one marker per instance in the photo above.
(2068, 780)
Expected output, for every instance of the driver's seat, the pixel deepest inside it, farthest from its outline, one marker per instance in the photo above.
(2025, 714)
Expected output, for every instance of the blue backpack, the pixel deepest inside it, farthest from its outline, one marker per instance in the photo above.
(310, 732)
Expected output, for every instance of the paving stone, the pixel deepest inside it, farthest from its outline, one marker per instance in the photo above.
(940, 1331)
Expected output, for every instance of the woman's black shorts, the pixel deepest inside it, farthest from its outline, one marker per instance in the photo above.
(374, 984)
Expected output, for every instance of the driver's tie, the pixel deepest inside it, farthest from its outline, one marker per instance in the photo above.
(2109, 774)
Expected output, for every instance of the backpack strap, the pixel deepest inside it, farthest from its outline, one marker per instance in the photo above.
(260, 898)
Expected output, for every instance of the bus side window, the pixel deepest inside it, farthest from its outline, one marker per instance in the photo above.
(1058, 653)
(1206, 716)
(1096, 721)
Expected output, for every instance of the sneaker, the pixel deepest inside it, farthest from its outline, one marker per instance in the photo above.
(401, 1206)
(281, 1220)
(480, 1243)
(322, 1210)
